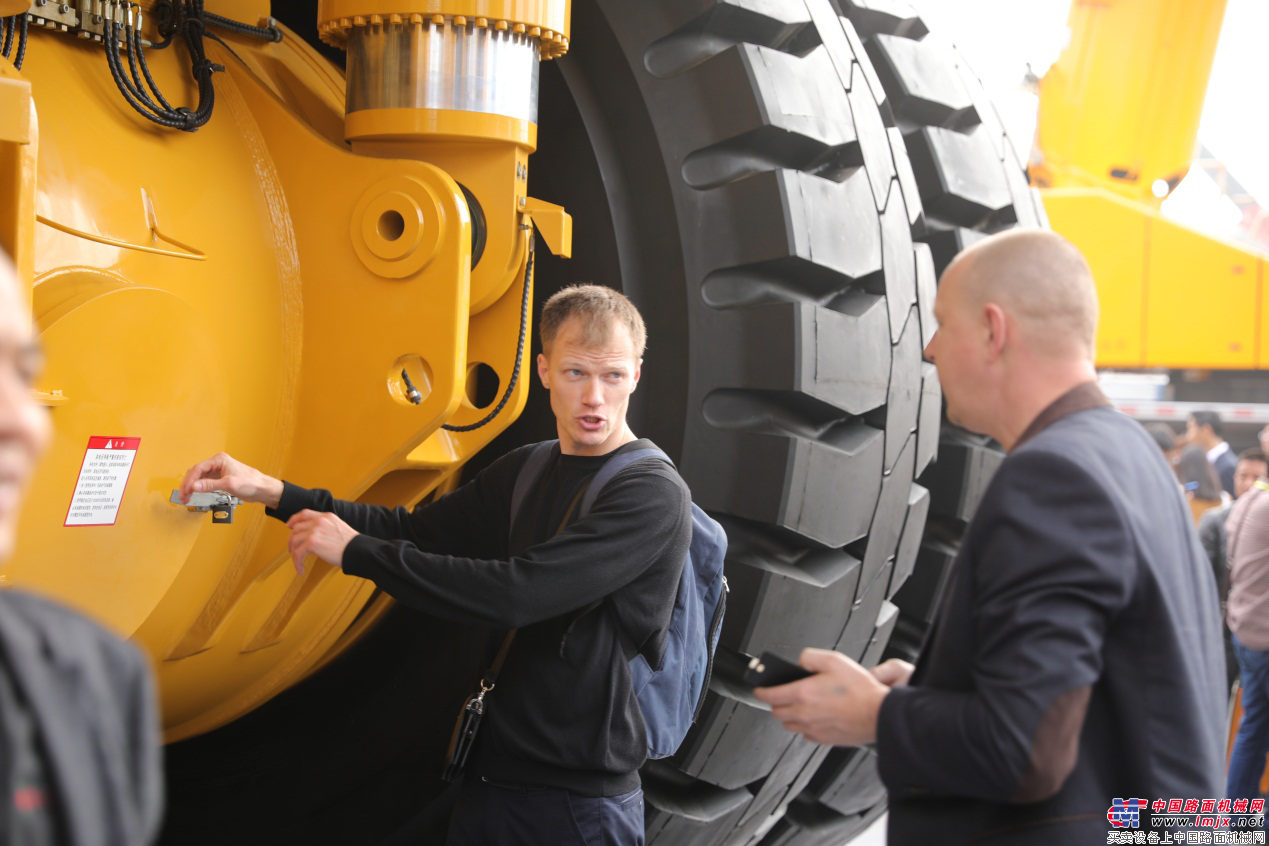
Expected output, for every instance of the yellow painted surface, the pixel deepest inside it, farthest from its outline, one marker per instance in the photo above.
(251, 12)
(1126, 94)
(439, 125)
(1262, 319)
(15, 105)
(1201, 303)
(19, 146)
(1111, 233)
(555, 224)
(247, 288)
(1169, 296)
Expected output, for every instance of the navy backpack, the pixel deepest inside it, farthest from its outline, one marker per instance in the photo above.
(670, 696)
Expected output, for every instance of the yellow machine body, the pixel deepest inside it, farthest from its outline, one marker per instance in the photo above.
(1118, 123)
(257, 287)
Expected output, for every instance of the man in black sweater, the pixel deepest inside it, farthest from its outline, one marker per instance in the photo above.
(558, 753)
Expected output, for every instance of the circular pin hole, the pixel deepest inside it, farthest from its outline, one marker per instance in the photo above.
(410, 380)
(482, 385)
(391, 225)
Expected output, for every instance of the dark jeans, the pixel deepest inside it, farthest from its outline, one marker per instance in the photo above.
(490, 814)
(1247, 762)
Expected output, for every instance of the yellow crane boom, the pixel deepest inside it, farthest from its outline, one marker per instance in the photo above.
(1117, 128)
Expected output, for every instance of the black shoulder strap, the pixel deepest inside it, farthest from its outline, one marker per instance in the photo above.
(611, 468)
(530, 472)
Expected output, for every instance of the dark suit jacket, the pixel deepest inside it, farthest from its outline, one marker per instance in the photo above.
(92, 703)
(1077, 658)
(1226, 464)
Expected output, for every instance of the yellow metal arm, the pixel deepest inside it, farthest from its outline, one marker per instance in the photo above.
(1120, 108)
(1170, 296)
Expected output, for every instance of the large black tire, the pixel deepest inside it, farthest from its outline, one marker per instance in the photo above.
(737, 169)
(970, 184)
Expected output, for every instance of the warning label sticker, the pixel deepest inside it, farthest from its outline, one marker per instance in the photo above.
(102, 479)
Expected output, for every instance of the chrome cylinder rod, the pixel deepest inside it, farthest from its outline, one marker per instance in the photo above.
(442, 66)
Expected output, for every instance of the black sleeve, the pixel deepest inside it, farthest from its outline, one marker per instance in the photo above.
(472, 520)
(640, 518)
(1211, 532)
(1052, 564)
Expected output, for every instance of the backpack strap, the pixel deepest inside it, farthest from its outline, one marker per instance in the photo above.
(530, 472)
(605, 475)
(611, 468)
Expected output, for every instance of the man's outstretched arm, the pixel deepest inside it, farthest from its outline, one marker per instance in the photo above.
(1045, 595)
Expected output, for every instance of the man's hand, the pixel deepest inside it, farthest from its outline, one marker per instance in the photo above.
(893, 673)
(318, 533)
(837, 706)
(223, 473)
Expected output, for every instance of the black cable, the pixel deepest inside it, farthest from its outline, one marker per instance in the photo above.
(166, 22)
(268, 33)
(8, 36)
(132, 36)
(114, 30)
(515, 372)
(214, 37)
(145, 70)
(202, 68)
(17, 63)
(187, 19)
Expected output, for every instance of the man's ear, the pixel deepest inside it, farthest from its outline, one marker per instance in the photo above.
(997, 330)
(634, 377)
(544, 371)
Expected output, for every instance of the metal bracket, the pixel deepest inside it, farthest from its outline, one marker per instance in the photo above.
(219, 503)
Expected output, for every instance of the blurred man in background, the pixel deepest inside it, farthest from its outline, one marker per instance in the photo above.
(1204, 429)
(1211, 528)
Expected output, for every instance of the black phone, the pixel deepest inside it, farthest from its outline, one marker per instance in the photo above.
(769, 670)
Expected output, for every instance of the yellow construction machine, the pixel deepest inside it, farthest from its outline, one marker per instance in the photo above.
(232, 243)
(1117, 129)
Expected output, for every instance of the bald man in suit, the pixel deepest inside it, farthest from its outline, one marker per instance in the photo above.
(1077, 656)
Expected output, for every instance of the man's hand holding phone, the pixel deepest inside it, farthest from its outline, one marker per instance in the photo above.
(839, 703)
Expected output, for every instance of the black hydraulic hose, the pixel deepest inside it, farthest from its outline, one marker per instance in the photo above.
(145, 70)
(188, 19)
(17, 63)
(202, 69)
(113, 61)
(8, 36)
(515, 372)
(132, 36)
(268, 33)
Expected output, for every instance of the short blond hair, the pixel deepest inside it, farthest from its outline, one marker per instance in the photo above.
(597, 308)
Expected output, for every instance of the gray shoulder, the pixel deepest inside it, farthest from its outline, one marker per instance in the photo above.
(61, 632)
